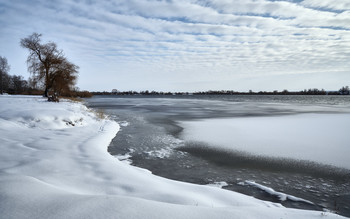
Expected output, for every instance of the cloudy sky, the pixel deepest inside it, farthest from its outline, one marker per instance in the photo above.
(188, 45)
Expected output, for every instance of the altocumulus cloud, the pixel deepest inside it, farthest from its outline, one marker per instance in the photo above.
(188, 44)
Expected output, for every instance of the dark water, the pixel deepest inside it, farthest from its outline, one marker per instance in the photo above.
(150, 137)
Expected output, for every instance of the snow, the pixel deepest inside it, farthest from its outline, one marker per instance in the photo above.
(282, 196)
(322, 138)
(126, 157)
(218, 184)
(54, 164)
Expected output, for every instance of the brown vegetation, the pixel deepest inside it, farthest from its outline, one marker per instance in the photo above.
(48, 66)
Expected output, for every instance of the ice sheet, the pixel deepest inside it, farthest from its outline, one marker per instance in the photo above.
(322, 138)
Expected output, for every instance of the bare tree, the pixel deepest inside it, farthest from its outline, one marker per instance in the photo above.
(4, 69)
(47, 64)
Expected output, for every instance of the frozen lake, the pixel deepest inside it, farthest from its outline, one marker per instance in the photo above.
(288, 149)
(321, 138)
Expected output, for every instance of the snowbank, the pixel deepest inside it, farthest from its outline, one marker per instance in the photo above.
(54, 164)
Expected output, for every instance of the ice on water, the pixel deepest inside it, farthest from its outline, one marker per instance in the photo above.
(322, 138)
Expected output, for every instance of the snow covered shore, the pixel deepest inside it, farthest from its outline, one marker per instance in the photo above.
(54, 164)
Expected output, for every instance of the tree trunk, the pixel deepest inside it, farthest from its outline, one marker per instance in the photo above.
(1, 83)
(46, 93)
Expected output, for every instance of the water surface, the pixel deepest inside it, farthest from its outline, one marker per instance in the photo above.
(152, 137)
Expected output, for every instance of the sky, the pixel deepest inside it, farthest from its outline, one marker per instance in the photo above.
(188, 45)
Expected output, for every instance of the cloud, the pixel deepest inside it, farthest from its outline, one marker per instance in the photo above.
(340, 5)
(192, 38)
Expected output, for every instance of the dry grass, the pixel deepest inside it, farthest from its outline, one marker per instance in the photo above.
(74, 99)
(100, 114)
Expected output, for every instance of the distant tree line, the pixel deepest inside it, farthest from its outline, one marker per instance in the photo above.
(342, 91)
(146, 92)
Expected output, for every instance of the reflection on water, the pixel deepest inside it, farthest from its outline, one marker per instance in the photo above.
(150, 138)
